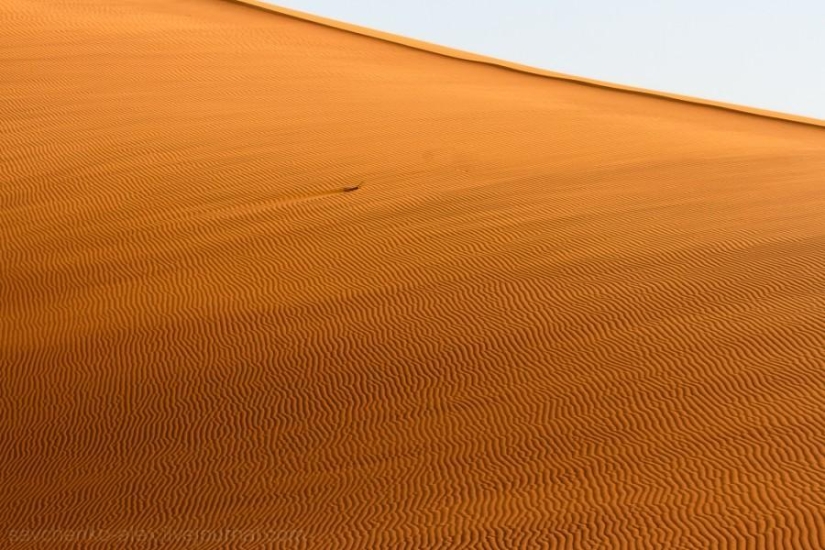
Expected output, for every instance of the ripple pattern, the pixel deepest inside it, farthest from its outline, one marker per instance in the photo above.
(553, 316)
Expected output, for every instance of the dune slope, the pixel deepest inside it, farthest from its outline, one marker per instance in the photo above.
(554, 315)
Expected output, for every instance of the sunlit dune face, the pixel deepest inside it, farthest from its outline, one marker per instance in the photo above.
(268, 283)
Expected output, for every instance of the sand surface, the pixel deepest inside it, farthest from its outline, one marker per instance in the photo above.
(554, 315)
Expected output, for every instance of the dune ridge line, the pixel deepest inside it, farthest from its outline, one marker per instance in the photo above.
(461, 55)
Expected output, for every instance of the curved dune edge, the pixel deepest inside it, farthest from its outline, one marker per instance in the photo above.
(475, 58)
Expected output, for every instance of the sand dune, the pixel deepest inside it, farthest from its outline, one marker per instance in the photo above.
(554, 315)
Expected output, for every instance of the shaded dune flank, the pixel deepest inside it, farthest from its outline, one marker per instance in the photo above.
(554, 315)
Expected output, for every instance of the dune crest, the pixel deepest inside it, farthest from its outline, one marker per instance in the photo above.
(272, 283)
(525, 69)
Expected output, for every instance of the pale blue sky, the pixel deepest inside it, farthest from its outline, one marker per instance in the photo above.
(761, 53)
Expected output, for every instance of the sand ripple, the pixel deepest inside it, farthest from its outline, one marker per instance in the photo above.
(553, 316)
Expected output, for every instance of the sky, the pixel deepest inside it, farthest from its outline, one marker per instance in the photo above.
(768, 54)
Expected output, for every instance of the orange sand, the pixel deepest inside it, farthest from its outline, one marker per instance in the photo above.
(555, 315)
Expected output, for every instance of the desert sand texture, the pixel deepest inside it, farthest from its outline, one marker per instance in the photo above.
(554, 314)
